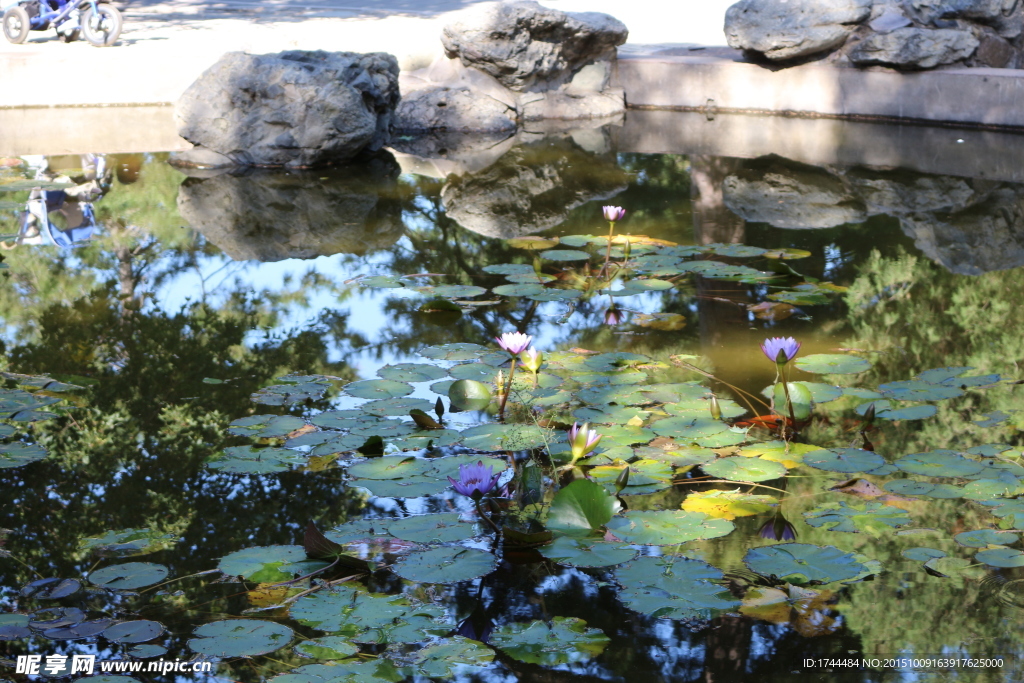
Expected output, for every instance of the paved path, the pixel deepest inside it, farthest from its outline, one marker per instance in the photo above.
(166, 44)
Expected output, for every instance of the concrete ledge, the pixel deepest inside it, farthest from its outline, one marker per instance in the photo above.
(80, 130)
(979, 97)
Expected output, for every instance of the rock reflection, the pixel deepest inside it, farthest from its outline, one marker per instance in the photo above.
(968, 225)
(274, 215)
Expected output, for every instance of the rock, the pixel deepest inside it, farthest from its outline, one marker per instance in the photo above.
(446, 96)
(915, 48)
(890, 20)
(995, 52)
(982, 238)
(272, 216)
(532, 188)
(294, 109)
(790, 29)
(900, 193)
(1006, 16)
(788, 194)
(529, 48)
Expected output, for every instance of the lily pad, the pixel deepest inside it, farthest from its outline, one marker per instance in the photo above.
(393, 407)
(802, 562)
(266, 426)
(590, 552)
(129, 575)
(645, 476)
(353, 670)
(17, 454)
(938, 463)
(451, 291)
(368, 617)
(728, 504)
(14, 627)
(138, 631)
(469, 394)
(832, 364)
(447, 564)
(738, 468)
(265, 564)
(437, 528)
(872, 517)
(845, 460)
(676, 588)
(1001, 557)
(923, 554)
(916, 390)
(983, 538)
(505, 437)
(411, 372)
(249, 460)
(565, 255)
(667, 527)
(582, 505)
(128, 542)
(328, 647)
(239, 638)
(378, 389)
(51, 589)
(454, 351)
(563, 640)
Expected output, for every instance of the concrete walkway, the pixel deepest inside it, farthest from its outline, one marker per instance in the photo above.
(166, 44)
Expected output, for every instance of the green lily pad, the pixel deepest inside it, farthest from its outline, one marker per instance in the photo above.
(886, 410)
(871, 517)
(550, 294)
(832, 364)
(846, 460)
(410, 372)
(478, 372)
(328, 647)
(738, 468)
(982, 538)
(508, 268)
(582, 505)
(938, 463)
(563, 640)
(266, 426)
(353, 670)
(390, 467)
(645, 476)
(442, 660)
(916, 390)
(983, 490)
(14, 627)
(667, 527)
(437, 528)
(802, 562)
(469, 394)
(128, 542)
(728, 504)
(909, 487)
(590, 553)
(565, 255)
(17, 454)
(378, 389)
(923, 554)
(446, 564)
(249, 460)
(677, 588)
(239, 638)
(128, 576)
(688, 428)
(394, 407)
(265, 564)
(505, 437)
(1001, 557)
(954, 376)
(366, 617)
(455, 351)
(451, 291)
(989, 450)
(990, 419)
(138, 631)
(789, 454)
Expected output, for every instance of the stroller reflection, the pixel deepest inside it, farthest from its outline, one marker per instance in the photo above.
(63, 217)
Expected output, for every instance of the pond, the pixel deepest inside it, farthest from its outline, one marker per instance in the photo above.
(272, 426)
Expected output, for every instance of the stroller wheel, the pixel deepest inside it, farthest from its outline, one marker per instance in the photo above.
(102, 27)
(16, 24)
(70, 37)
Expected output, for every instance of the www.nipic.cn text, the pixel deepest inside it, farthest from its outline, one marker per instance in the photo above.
(62, 665)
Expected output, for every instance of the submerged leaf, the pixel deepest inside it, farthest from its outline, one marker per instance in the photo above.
(563, 640)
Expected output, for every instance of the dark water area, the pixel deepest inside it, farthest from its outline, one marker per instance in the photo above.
(181, 357)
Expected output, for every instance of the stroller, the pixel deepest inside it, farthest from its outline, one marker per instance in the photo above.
(98, 22)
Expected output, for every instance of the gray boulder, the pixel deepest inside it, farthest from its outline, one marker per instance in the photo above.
(272, 216)
(531, 48)
(985, 237)
(295, 109)
(1006, 16)
(788, 194)
(532, 188)
(790, 29)
(915, 48)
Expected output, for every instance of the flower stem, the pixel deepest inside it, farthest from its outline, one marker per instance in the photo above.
(480, 513)
(508, 390)
(608, 254)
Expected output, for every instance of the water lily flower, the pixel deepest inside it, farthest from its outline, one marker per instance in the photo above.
(582, 440)
(531, 360)
(780, 350)
(777, 529)
(475, 481)
(514, 342)
(614, 213)
(613, 316)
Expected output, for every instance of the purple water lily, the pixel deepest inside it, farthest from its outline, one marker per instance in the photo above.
(614, 213)
(777, 529)
(514, 342)
(475, 481)
(780, 349)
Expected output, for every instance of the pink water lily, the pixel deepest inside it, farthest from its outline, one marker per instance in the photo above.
(475, 481)
(582, 440)
(514, 342)
(532, 359)
(780, 350)
(614, 213)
